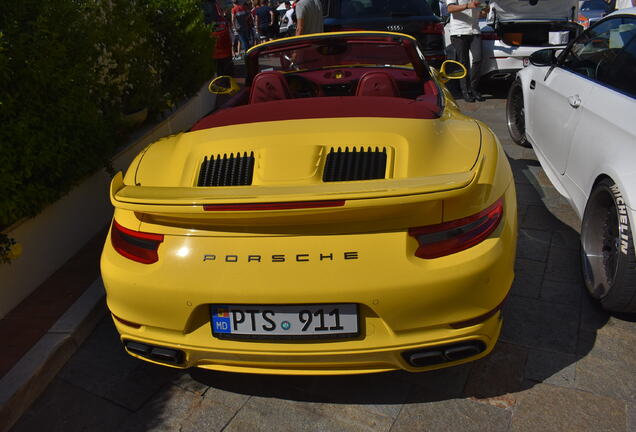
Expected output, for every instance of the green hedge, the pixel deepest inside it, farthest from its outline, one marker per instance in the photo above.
(70, 70)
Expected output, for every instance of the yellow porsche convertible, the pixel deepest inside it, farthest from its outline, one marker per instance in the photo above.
(337, 215)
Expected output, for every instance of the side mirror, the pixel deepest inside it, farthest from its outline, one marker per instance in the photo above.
(544, 57)
(224, 84)
(452, 69)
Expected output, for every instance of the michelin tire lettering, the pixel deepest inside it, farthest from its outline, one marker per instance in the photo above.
(623, 220)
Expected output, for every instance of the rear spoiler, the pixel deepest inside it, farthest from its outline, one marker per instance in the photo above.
(240, 204)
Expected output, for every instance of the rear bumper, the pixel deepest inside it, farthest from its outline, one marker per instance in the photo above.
(405, 303)
(500, 58)
(334, 361)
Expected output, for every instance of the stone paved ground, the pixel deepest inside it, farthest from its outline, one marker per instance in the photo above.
(561, 364)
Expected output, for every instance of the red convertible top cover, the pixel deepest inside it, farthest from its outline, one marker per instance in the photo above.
(321, 107)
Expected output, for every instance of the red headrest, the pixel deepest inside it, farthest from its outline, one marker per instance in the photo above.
(377, 84)
(269, 86)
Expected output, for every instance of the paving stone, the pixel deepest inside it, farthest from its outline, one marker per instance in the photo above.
(551, 367)
(608, 365)
(562, 292)
(533, 244)
(296, 387)
(608, 377)
(538, 217)
(520, 169)
(452, 415)
(539, 324)
(567, 239)
(551, 408)
(611, 342)
(528, 278)
(268, 414)
(564, 265)
(102, 367)
(528, 194)
(381, 393)
(631, 417)
(439, 384)
(496, 378)
(65, 407)
(176, 409)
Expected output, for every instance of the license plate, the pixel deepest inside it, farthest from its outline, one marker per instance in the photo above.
(315, 321)
(526, 61)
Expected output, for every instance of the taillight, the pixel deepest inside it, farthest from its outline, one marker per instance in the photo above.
(489, 36)
(454, 236)
(433, 28)
(137, 246)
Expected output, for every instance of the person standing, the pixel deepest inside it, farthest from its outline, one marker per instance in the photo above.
(466, 39)
(241, 23)
(309, 17)
(264, 17)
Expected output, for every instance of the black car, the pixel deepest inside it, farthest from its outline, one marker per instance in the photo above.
(413, 17)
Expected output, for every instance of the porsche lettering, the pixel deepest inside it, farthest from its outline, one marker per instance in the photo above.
(299, 257)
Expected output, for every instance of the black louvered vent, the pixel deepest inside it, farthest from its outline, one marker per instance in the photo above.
(224, 170)
(354, 164)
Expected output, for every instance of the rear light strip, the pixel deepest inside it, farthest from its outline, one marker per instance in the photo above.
(137, 246)
(274, 206)
(455, 236)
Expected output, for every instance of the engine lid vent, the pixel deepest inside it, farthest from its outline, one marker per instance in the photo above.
(224, 170)
(355, 164)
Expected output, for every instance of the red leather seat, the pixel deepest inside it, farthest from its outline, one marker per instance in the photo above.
(269, 86)
(377, 84)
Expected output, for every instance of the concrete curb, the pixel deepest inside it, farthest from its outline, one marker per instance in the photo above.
(24, 383)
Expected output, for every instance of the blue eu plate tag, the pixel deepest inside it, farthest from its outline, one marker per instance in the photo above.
(221, 320)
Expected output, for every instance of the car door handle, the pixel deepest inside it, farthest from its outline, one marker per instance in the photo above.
(533, 84)
(574, 101)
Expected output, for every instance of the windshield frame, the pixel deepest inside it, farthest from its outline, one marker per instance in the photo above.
(408, 43)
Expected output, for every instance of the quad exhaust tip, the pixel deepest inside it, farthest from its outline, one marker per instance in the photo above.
(444, 353)
(156, 353)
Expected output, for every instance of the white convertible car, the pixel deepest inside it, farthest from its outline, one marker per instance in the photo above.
(577, 108)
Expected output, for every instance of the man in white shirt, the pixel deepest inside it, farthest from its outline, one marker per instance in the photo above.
(466, 39)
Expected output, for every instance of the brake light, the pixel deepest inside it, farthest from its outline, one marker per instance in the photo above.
(455, 236)
(137, 246)
(489, 36)
(433, 28)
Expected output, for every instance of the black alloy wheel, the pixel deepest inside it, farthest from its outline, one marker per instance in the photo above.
(607, 249)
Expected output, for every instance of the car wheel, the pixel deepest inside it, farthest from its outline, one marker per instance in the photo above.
(609, 264)
(515, 115)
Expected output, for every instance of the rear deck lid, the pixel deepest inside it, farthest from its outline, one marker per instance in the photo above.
(516, 10)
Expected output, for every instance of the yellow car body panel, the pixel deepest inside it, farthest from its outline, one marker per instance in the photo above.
(359, 250)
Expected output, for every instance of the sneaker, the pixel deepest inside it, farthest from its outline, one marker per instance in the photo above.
(478, 97)
(468, 97)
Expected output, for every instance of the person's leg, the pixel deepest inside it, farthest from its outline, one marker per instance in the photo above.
(462, 46)
(475, 67)
(245, 40)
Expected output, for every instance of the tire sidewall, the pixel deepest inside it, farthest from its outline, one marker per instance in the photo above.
(618, 294)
